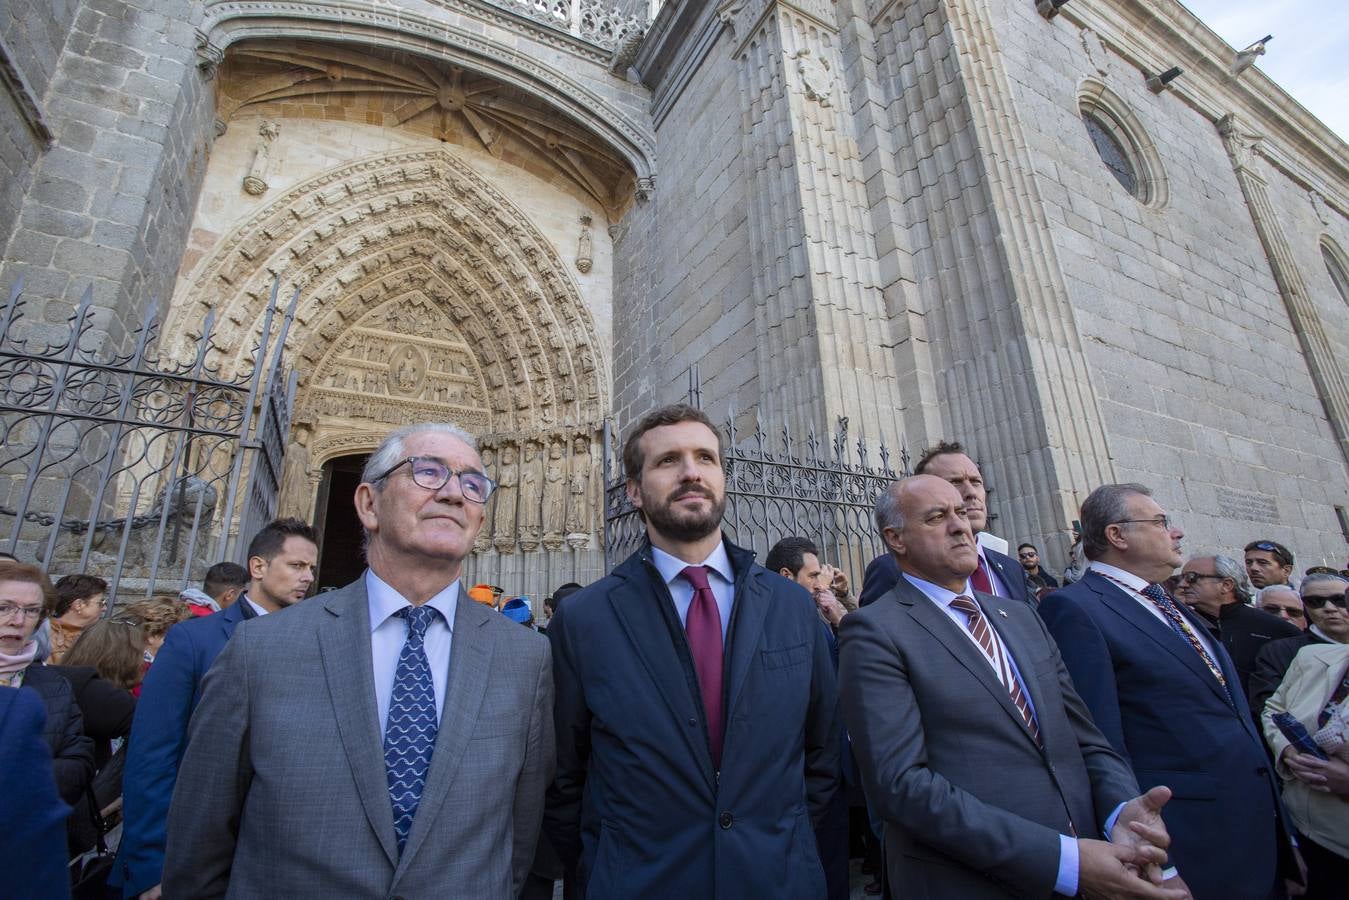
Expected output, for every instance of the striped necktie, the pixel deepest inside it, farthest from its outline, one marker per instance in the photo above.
(983, 636)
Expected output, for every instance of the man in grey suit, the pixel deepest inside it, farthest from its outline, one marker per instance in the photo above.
(388, 739)
(975, 752)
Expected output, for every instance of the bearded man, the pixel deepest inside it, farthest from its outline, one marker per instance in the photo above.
(696, 713)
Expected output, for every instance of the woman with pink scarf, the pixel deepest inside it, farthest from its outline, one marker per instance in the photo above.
(25, 594)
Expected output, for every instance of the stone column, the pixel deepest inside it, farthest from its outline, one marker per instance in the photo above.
(1325, 371)
(821, 329)
(1009, 368)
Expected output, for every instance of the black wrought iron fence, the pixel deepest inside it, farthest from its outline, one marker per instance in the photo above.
(128, 466)
(823, 489)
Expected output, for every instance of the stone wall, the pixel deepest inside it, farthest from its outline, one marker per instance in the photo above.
(31, 37)
(109, 203)
(1199, 371)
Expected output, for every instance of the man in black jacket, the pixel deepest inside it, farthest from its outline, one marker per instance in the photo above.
(697, 713)
(1216, 588)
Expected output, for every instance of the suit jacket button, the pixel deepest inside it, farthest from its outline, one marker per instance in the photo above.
(726, 820)
(693, 723)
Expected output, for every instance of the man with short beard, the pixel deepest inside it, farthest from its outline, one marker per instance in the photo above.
(696, 712)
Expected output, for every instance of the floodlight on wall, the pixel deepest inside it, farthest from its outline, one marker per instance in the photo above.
(1246, 58)
(1159, 83)
(1049, 8)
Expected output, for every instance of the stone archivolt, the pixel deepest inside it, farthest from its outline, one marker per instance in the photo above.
(291, 79)
(415, 250)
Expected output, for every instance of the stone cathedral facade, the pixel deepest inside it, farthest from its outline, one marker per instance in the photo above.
(1003, 221)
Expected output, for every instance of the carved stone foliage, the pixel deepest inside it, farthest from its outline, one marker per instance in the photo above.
(375, 86)
(426, 287)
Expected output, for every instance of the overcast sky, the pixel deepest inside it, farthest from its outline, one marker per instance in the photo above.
(1309, 56)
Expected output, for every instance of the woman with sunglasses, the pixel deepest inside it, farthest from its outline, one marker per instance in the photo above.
(1315, 776)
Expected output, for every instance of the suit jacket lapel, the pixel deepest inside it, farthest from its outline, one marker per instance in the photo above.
(747, 618)
(344, 644)
(940, 626)
(650, 631)
(1131, 610)
(470, 671)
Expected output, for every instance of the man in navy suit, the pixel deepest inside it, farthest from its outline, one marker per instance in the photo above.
(1165, 694)
(281, 560)
(998, 574)
(697, 714)
(32, 814)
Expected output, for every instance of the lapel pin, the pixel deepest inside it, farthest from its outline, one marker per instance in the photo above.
(1003, 613)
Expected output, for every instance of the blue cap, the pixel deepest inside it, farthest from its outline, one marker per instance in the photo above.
(517, 610)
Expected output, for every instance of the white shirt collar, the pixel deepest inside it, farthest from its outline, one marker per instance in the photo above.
(935, 592)
(256, 609)
(1316, 630)
(1117, 574)
(385, 601)
(670, 566)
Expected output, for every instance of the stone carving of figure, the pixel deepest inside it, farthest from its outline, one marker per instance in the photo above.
(578, 504)
(503, 516)
(483, 542)
(530, 497)
(554, 495)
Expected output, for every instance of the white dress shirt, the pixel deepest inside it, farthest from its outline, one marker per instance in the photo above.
(388, 633)
(1133, 586)
(719, 577)
(257, 610)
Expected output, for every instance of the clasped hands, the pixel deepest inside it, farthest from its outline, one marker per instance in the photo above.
(1130, 864)
(1326, 776)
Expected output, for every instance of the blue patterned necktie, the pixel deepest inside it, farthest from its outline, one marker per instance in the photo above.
(410, 735)
(1157, 594)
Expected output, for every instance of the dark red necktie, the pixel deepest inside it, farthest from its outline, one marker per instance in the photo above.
(702, 627)
(980, 580)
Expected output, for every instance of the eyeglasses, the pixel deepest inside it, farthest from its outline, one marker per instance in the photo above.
(1340, 600)
(28, 612)
(1189, 578)
(1164, 521)
(432, 474)
(1292, 612)
(1280, 553)
(1027, 554)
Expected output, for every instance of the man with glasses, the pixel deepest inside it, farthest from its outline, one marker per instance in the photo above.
(1029, 557)
(1268, 563)
(1284, 601)
(1215, 587)
(387, 738)
(1164, 692)
(1323, 596)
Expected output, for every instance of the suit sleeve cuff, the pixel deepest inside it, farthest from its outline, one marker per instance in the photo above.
(1110, 822)
(1066, 882)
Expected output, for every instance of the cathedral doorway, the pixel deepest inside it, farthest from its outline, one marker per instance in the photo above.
(341, 558)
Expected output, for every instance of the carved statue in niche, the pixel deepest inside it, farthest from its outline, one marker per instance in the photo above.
(503, 519)
(554, 495)
(255, 181)
(407, 370)
(578, 506)
(483, 542)
(530, 496)
(584, 252)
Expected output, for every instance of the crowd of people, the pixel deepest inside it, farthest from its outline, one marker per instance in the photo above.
(694, 724)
